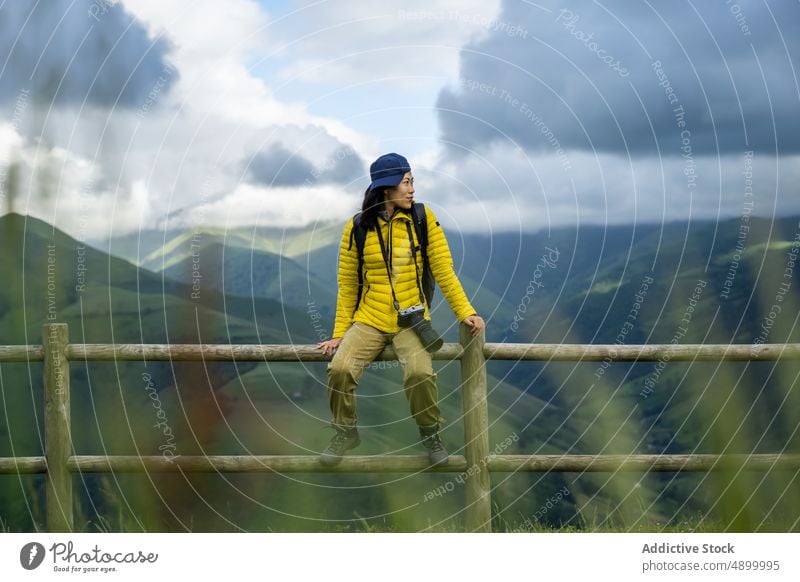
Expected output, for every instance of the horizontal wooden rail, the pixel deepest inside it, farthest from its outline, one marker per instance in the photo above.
(646, 352)
(22, 353)
(450, 351)
(410, 463)
(260, 464)
(223, 352)
(640, 463)
(22, 465)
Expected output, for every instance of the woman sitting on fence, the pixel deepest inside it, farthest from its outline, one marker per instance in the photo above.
(390, 235)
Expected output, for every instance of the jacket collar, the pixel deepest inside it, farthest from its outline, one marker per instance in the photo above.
(399, 214)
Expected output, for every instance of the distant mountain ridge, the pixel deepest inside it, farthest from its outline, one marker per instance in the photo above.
(297, 266)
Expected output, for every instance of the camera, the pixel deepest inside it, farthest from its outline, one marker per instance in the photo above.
(414, 317)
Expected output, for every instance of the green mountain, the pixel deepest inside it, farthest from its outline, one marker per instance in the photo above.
(294, 266)
(160, 249)
(247, 273)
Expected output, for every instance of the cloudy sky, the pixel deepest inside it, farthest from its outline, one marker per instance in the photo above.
(137, 114)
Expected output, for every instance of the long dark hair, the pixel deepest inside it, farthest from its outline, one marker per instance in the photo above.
(373, 203)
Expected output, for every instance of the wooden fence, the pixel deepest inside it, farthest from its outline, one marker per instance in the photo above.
(60, 461)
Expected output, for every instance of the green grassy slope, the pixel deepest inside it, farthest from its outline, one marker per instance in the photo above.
(244, 272)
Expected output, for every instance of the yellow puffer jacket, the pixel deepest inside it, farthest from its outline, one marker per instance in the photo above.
(376, 307)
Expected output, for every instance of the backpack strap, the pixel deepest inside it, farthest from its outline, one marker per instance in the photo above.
(420, 219)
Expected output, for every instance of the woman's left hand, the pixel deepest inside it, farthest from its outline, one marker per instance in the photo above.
(476, 323)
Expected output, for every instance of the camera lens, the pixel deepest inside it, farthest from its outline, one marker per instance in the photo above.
(430, 339)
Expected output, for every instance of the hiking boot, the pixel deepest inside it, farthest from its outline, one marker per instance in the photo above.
(346, 438)
(437, 454)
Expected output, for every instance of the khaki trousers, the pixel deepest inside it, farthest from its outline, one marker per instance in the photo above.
(360, 345)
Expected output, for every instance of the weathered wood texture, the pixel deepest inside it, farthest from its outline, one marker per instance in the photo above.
(58, 437)
(260, 464)
(478, 486)
(642, 463)
(22, 465)
(648, 353)
(21, 353)
(223, 352)
(413, 463)
(450, 351)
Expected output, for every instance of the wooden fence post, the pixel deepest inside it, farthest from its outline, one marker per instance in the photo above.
(57, 433)
(478, 515)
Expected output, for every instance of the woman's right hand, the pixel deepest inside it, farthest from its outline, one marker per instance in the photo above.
(329, 346)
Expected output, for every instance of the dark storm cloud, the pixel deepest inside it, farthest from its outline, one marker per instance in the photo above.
(278, 166)
(65, 52)
(342, 167)
(621, 75)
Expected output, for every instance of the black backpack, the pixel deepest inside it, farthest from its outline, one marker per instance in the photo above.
(420, 220)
